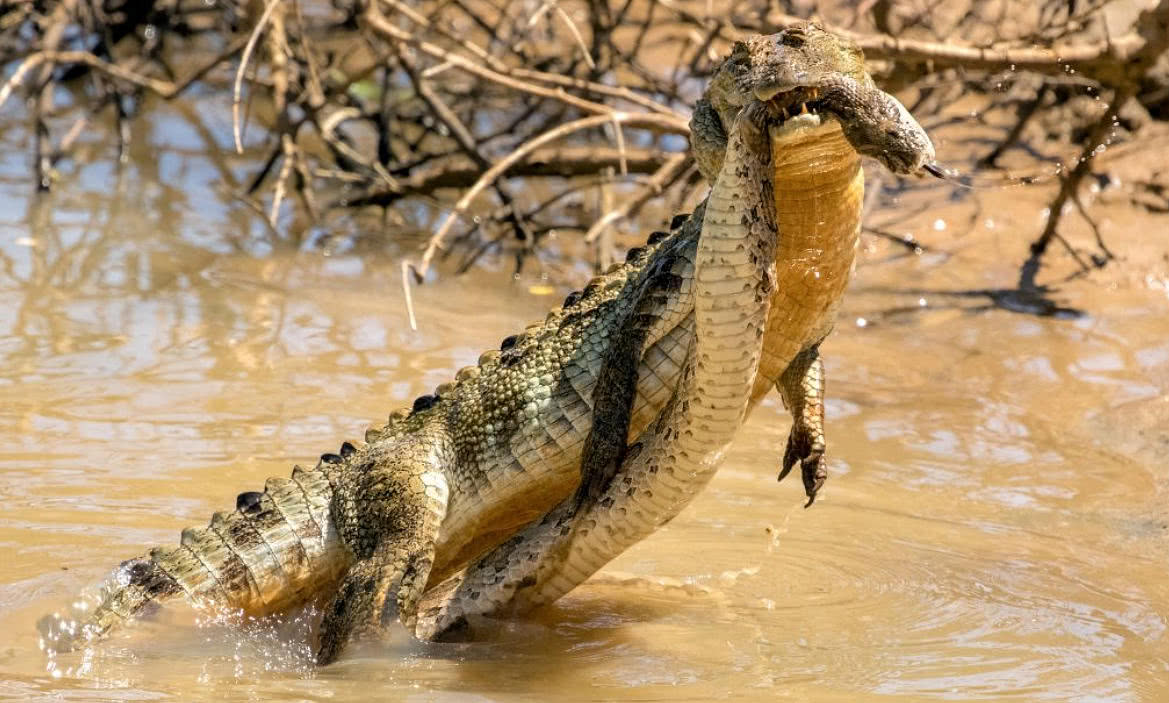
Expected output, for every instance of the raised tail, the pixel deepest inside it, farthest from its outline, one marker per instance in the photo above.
(276, 550)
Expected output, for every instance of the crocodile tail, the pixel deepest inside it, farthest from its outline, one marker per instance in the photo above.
(276, 550)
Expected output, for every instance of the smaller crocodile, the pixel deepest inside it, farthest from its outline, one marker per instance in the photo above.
(372, 530)
(741, 271)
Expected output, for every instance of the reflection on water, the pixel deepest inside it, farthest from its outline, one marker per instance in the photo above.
(995, 525)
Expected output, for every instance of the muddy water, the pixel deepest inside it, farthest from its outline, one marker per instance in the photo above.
(995, 525)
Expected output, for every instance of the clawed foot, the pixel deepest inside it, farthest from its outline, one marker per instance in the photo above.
(808, 452)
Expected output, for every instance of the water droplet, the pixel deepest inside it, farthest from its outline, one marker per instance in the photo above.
(149, 32)
(862, 322)
(921, 302)
(989, 223)
(939, 225)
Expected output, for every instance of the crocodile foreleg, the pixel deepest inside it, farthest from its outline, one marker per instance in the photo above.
(802, 389)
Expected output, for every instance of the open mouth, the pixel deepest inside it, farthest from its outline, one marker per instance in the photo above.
(786, 104)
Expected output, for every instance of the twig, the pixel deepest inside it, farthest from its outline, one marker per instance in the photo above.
(1105, 61)
(236, 129)
(380, 25)
(1096, 138)
(670, 172)
(289, 151)
(563, 162)
(437, 242)
(164, 89)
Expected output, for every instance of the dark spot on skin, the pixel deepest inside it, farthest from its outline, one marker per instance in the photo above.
(248, 503)
(331, 459)
(656, 237)
(572, 299)
(793, 38)
(679, 220)
(347, 449)
(633, 254)
(508, 342)
(423, 402)
(137, 570)
(455, 632)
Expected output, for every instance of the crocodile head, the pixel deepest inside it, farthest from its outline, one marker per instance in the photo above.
(808, 76)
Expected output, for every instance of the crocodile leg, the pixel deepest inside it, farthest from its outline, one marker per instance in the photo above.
(708, 139)
(388, 512)
(802, 388)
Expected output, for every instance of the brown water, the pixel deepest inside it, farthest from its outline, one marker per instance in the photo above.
(995, 525)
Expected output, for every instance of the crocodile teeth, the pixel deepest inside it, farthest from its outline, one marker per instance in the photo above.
(803, 108)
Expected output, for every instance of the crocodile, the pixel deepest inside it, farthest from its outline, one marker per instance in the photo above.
(436, 492)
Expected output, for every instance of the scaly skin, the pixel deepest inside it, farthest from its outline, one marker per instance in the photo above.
(802, 187)
(369, 528)
(625, 496)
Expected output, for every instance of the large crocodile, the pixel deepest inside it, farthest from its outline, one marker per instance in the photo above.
(443, 483)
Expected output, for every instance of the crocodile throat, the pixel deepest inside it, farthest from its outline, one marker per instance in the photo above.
(819, 190)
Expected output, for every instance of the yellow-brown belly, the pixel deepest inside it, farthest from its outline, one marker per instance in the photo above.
(819, 192)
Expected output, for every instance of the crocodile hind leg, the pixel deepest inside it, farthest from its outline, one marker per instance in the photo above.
(388, 512)
(802, 388)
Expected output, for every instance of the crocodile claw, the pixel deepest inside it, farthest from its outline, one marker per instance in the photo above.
(809, 455)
